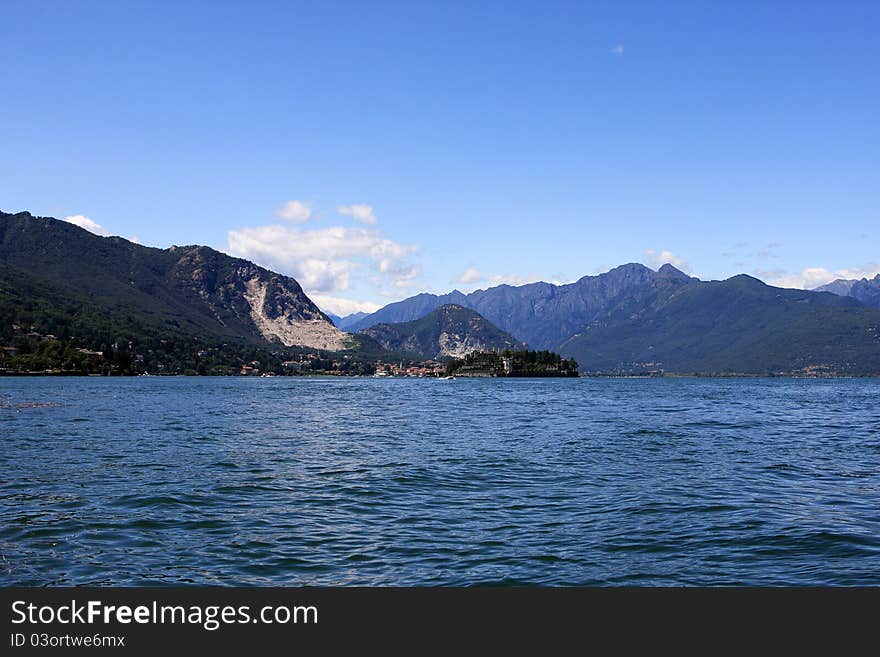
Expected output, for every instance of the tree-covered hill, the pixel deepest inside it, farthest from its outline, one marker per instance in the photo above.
(92, 292)
(737, 326)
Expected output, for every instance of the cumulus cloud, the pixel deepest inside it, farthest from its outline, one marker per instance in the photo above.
(316, 274)
(657, 259)
(84, 222)
(405, 276)
(813, 277)
(470, 275)
(296, 212)
(359, 212)
(342, 307)
(322, 260)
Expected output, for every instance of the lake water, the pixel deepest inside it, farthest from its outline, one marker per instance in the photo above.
(324, 481)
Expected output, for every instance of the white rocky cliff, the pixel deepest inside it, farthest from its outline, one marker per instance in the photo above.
(277, 316)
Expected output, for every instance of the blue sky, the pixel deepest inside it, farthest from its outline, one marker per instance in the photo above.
(375, 150)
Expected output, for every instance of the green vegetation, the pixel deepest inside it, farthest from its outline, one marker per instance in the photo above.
(33, 353)
(737, 326)
(136, 353)
(73, 302)
(508, 363)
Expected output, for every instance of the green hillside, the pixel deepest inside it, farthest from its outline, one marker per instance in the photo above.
(176, 310)
(737, 326)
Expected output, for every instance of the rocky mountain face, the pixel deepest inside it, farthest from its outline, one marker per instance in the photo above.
(866, 290)
(840, 287)
(449, 331)
(193, 289)
(540, 314)
(105, 291)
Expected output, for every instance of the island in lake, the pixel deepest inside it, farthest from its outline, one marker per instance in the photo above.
(512, 364)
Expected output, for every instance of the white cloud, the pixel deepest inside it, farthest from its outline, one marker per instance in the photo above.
(470, 275)
(296, 212)
(657, 259)
(359, 212)
(135, 239)
(512, 279)
(316, 274)
(617, 50)
(84, 222)
(405, 276)
(813, 277)
(342, 307)
(322, 260)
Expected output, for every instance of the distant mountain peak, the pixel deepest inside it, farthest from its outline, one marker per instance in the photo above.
(670, 271)
(745, 278)
(866, 290)
(540, 314)
(448, 331)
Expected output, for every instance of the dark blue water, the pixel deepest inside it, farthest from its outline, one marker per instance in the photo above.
(361, 481)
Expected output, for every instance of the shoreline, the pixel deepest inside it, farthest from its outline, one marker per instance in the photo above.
(739, 375)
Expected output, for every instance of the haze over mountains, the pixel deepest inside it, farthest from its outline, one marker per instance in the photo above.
(631, 319)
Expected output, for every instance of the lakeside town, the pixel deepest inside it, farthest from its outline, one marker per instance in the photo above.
(34, 354)
(430, 368)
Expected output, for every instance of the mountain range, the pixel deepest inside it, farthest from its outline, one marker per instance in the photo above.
(542, 315)
(740, 325)
(633, 319)
(60, 280)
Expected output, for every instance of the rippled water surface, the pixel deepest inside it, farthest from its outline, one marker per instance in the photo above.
(322, 481)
